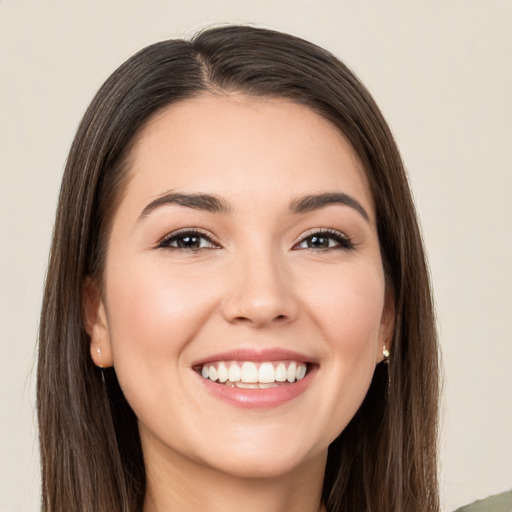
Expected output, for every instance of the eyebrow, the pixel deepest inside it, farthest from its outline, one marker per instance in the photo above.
(314, 202)
(215, 204)
(205, 202)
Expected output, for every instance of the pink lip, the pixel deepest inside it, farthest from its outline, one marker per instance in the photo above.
(259, 398)
(272, 354)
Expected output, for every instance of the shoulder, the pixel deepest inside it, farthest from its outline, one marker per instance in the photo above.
(497, 503)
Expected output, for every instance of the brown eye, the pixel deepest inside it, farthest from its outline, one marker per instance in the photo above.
(188, 240)
(326, 240)
(319, 242)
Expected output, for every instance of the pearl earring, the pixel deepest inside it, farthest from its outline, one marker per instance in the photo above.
(98, 351)
(385, 352)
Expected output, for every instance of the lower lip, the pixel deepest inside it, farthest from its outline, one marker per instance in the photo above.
(259, 398)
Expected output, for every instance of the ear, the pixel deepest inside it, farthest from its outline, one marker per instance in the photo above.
(387, 326)
(96, 325)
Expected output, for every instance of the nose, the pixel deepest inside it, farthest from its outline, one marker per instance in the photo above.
(260, 290)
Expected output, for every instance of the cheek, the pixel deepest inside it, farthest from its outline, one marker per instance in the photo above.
(346, 307)
(347, 304)
(347, 312)
(154, 311)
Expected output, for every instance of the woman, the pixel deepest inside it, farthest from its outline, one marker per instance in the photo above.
(237, 313)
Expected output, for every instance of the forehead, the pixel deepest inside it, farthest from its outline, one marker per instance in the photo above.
(244, 148)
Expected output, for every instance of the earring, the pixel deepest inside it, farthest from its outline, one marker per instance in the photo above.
(98, 351)
(385, 352)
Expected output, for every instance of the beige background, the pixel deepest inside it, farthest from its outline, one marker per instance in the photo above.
(440, 70)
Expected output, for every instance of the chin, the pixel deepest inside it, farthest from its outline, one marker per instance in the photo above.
(262, 465)
(262, 458)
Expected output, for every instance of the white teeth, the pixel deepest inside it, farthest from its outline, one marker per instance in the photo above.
(249, 372)
(266, 373)
(253, 376)
(223, 372)
(257, 385)
(234, 372)
(290, 374)
(280, 374)
(263, 385)
(300, 373)
(212, 374)
(247, 385)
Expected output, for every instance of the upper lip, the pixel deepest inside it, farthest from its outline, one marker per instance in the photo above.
(256, 355)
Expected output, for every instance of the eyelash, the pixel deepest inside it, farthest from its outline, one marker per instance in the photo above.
(188, 232)
(342, 240)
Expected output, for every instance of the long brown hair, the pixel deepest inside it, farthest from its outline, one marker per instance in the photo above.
(385, 459)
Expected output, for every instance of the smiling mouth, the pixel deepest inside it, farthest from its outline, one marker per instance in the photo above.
(252, 375)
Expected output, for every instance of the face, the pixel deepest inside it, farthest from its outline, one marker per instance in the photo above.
(243, 299)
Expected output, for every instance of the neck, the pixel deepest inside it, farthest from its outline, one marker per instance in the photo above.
(177, 484)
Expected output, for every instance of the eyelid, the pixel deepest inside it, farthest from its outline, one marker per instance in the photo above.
(342, 238)
(346, 241)
(184, 231)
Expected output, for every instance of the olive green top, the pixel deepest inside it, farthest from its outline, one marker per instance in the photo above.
(496, 503)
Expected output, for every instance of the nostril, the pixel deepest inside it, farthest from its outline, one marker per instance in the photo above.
(241, 318)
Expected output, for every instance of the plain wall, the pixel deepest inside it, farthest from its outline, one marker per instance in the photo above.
(441, 72)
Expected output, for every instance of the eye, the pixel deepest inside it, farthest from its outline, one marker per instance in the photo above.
(188, 240)
(325, 239)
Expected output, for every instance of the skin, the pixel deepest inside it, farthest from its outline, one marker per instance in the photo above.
(259, 284)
